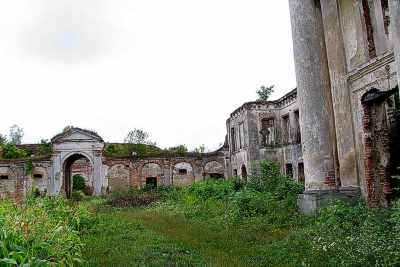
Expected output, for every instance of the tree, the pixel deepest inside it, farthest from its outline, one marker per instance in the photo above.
(16, 134)
(138, 136)
(67, 128)
(200, 149)
(3, 140)
(265, 92)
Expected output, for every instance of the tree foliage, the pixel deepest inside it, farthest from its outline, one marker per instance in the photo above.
(138, 136)
(200, 149)
(16, 135)
(67, 128)
(265, 92)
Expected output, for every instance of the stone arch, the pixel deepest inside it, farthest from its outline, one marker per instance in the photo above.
(183, 173)
(214, 169)
(118, 178)
(68, 161)
(151, 172)
(76, 143)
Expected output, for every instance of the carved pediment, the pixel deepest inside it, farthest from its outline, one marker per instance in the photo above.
(77, 135)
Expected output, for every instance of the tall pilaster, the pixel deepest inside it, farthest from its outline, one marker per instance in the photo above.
(340, 93)
(394, 10)
(314, 95)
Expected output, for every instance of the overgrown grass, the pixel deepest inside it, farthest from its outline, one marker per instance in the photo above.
(210, 223)
(42, 232)
(227, 223)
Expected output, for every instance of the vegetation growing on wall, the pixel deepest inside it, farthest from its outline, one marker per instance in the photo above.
(142, 150)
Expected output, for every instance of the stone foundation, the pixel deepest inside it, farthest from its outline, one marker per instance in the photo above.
(311, 201)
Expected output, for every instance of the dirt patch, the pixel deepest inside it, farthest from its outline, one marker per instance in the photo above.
(135, 201)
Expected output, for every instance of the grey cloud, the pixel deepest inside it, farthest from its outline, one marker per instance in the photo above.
(68, 31)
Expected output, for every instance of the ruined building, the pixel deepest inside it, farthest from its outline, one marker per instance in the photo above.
(78, 151)
(347, 59)
(265, 130)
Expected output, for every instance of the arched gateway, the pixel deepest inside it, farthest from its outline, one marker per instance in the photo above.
(69, 147)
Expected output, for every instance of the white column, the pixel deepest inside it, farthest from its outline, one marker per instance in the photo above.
(340, 93)
(314, 94)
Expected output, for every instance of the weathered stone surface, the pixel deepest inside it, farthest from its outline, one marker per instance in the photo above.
(340, 93)
(314, 94)
(394, 7)
(265, 130)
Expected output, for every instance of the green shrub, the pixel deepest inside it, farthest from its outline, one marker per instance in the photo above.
(211, 189)
(10, 151)
(77, 195)
(78, 182)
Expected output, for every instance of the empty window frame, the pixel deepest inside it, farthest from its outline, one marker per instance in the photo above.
(301, 177)
(241, 135)
(151, 182)
(285, 129)
(38, 176)
(289, 170)
(267, 131)
(386, 15)
(233, 139)
(370, 30)
(183, 171)
(3, 177)
(297, 134)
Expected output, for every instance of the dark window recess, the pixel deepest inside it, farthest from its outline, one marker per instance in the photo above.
(370, 30)
(233, 139)
(3, 177)
(38, 176)
(182, 171)
(286, 127)
(235, 172)
(386, 16)
(267, 125)
(301, 177)
(151, 182)
(297, 135)
(289, 170)
(244, 172)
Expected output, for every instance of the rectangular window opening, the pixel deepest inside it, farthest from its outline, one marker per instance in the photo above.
(182, 171)
(38, 176)
(289, 170)
(286, 129)
(233, 139)
(3, 177)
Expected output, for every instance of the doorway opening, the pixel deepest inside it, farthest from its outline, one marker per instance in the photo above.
(76, 165)
(151, 182)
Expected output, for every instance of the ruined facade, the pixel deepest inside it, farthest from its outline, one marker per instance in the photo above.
(265, 130)
(347, 57)
(79, 151)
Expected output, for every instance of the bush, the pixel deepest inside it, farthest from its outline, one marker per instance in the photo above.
(77, 195)
(10, 151)
(78, 182)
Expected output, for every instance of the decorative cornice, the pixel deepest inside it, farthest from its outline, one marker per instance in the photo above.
(371, 66)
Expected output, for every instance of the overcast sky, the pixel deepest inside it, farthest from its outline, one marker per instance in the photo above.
(174, 68)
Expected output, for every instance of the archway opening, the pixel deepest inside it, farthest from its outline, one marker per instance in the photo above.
(77, 166)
